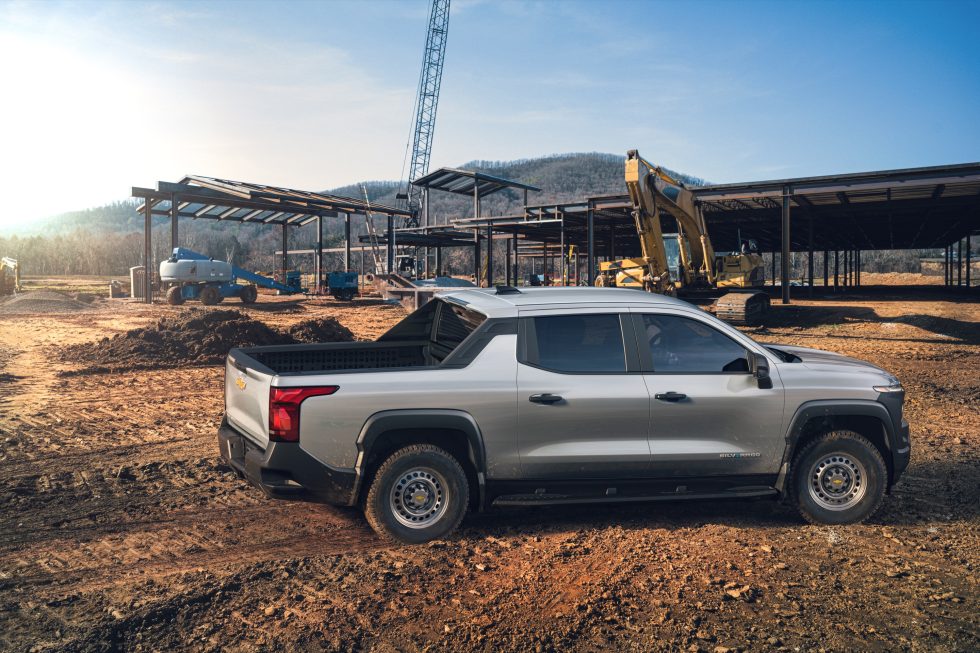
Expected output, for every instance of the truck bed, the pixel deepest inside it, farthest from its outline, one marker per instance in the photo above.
(347, 356)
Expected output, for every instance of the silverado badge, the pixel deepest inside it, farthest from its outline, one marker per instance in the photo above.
(241, 382)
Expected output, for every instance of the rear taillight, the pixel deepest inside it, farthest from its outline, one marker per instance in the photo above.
(284, 406)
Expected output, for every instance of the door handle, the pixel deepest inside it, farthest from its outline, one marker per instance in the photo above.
(546, 398)
(670, 396)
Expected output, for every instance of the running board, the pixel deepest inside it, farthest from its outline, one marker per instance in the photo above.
(541, 499)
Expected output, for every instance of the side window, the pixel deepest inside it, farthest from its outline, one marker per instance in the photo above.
(683, 345)
(578, 343)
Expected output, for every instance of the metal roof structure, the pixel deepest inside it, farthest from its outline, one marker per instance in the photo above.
(890, 209)
(200, 197)
(466, 182)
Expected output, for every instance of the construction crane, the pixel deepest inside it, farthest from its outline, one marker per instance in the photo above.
(697, 267)
(427, 101)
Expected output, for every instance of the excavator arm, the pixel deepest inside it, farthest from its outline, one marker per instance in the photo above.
(672, 196)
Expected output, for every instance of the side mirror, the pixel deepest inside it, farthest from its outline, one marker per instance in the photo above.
(760, 370)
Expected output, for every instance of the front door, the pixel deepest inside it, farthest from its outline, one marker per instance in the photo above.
(581, 414)
(708, 416)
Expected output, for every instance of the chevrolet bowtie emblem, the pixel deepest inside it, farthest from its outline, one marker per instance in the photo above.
(241, 382)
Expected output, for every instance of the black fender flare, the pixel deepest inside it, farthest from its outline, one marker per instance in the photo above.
(424, 418)
(829, 408)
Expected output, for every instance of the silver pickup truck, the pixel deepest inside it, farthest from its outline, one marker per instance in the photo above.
(538, 396)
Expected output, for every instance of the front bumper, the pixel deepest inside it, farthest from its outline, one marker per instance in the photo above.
(283, 470)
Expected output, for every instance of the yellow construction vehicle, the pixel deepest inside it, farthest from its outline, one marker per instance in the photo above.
(689, 252)
(9, 276)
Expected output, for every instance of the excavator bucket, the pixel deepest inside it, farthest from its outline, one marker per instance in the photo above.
(748, 308)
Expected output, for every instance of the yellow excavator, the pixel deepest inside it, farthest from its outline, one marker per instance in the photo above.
(689, 252)
(9, 276)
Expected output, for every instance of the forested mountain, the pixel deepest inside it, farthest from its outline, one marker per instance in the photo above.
(108, 240)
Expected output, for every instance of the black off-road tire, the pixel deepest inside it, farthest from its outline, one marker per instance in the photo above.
(855, 458)
(436, 468)
(174, 298)
(249, 294)
(210, 296)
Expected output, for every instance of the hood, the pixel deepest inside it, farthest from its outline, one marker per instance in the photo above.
(818, 359)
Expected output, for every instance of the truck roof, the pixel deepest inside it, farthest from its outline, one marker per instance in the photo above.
(494, 304)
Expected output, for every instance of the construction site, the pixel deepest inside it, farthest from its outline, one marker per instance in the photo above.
(123, 529)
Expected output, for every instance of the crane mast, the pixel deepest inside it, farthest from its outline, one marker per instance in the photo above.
(427, 101)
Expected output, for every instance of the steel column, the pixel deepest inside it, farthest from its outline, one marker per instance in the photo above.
(438, 261)
(773, 268)
(857, 267)
(968, 257)
(809, 261)
(318, 263)
(836, 270)
(784, 255)
(174, 212)
(507, 254)
(826, 270)
(477, 255)
(517, 276)
(147, 254)
(959, 262)
(590, 258)
(563, 259)
(490, 277)
(390, 237)
(347, 260)
(285, 250)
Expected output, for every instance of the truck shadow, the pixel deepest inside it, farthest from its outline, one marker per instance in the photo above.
(933, 492)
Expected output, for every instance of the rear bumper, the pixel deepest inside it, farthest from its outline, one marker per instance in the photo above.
(283, 470)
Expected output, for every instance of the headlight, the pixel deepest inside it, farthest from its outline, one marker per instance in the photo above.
(891, 387)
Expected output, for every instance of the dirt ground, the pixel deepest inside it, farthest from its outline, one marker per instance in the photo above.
(120, 528)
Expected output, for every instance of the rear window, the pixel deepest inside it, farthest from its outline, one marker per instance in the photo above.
(455, 324)
(451, 323)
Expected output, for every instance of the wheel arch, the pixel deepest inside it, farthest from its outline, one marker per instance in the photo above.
(453, 430)
(813, 418)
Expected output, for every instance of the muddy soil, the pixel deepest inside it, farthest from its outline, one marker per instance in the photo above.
(196, 337)
(120, 529)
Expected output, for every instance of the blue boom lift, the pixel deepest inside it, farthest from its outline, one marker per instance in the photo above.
(190, 275)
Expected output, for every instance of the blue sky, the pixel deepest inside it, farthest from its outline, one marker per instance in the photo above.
(319, 94)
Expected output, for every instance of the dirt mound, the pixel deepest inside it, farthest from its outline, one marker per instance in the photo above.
(197, 337)
(41, 301)
(320, 330)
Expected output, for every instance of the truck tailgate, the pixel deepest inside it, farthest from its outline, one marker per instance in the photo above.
(247, 398)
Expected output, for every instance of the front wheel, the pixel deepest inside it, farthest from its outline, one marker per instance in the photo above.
(838, 478)
(419, 493)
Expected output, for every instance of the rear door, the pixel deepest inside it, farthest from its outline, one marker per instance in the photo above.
(582, 408)
(708, 415)
(247, 398)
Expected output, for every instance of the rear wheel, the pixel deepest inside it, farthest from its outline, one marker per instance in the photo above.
(249, 294)
(174, 296)
(419, 493)
(210, 296)
(838, 478)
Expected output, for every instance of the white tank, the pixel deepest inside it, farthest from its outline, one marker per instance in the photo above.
(186, 271)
